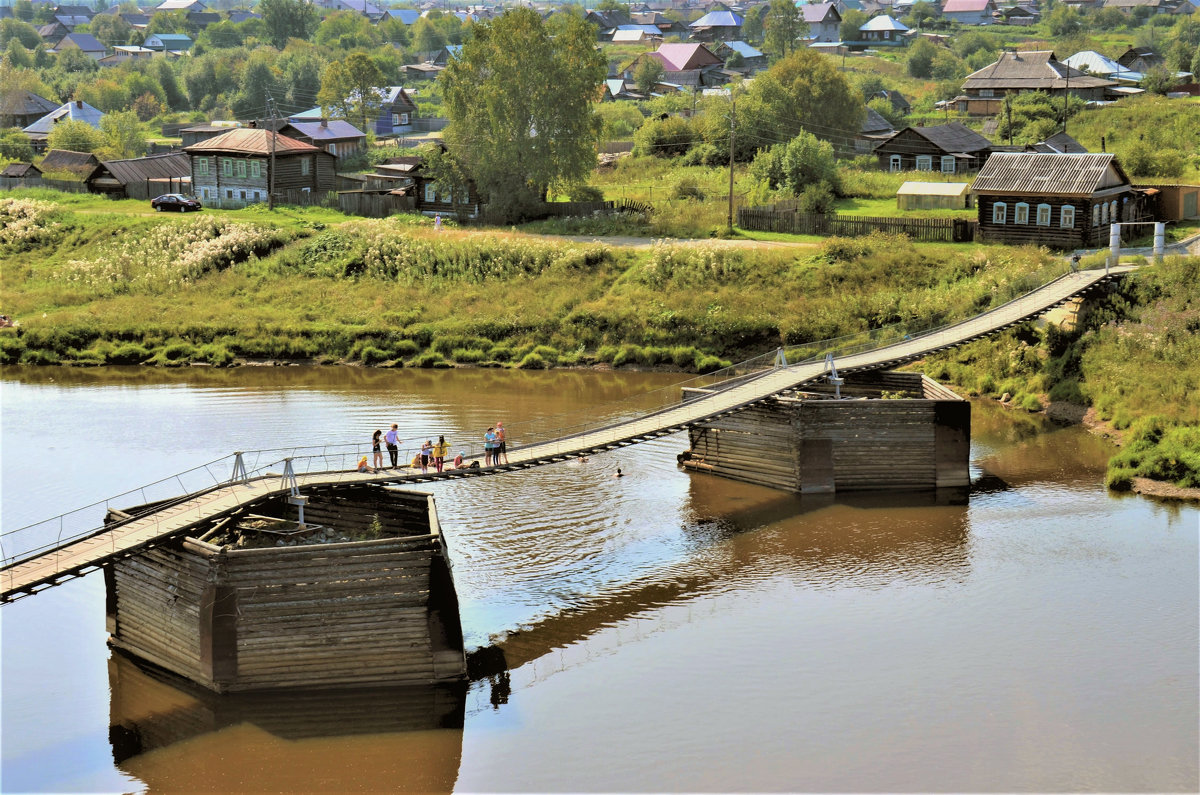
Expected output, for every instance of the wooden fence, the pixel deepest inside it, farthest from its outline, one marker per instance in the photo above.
(781, 218)
(373, 204)
(65, 185)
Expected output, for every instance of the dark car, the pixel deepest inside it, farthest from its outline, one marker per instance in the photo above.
(174, 201)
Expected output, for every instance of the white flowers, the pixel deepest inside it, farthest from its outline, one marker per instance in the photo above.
(25, 222)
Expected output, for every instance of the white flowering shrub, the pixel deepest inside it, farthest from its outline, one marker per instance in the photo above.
(169, 255)
(26, 223)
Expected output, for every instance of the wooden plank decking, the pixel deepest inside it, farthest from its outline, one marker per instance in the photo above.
(81, 556)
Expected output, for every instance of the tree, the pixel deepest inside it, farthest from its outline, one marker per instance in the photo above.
(15, 146)
(124, 135)
(519, 103)
(168, 22)
(922, 15)
(75, 136)
(352, 88)
(852, 20)
(147, 106)
(111, 29)
(425, 37)
(259, 84)
(22, 32)
(752, 23)
(301, 70)
(887, 110)
(1064, 21)
(805, 160)
(23, 10)
(782, 27)
(347, 30)
(1157, 80)
(288, 19)
(647, 73)
(804, 91)
(920, 58)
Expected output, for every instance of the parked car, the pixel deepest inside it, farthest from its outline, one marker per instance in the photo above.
(174, 201)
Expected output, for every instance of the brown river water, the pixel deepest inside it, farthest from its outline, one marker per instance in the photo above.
(657, 632)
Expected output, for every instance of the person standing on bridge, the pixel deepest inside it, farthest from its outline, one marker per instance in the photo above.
(377, 448)
(489, 446)
(501, 447)
(426, 455)
(393, 445)
(439, 453)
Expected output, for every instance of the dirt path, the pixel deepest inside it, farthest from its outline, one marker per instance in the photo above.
(646, 242)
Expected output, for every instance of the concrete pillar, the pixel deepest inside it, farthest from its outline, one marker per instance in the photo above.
(1160, 239)
(1114, 245)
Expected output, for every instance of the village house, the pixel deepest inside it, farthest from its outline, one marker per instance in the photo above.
(824, 22)
(406, 176)
(1021, 72)
(39, 131)
(19, 171)
(143, 177)
(168, 42)
(52, 32)
(22, 108)
(233, 169)
(690, 65)
(1059, 143)
(717, 25)
(181, 5)
(1056, 200)
(335, 136)
(970, 12)
(946, 148)
(883, 31)
(751, 59)
(899, 102)
(78, 164)
(85, 42)
(126, 52)
(1021, 14)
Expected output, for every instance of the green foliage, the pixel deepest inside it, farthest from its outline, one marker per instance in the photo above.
(802, 162)
(920, 58)
(618, 120)
(76, 136)
(287, 19)
(647, 74)
(520, 106)
(14, 145)
(782, 27)
(852, 20)
(667, 137)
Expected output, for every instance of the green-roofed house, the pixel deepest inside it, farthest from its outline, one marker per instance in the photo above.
(168, 42)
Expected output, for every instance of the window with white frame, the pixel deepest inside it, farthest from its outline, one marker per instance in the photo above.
(1021, 213)
(1043, 215)
(1112, 211)
(202, 167)
(947, 164)
(999, 213)
(255, 169)
(924, 162)
(430, 192)
(896, 162)
(403, 118)
(395, 119)
(1104, 213)
(1095, 215)
(1066, 217)
(333, 149)
(987, 93)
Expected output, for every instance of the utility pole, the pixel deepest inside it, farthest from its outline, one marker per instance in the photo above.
(732, 137)
(271, 167)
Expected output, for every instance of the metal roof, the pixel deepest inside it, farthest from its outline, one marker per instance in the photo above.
(174, 165)
(1031, 71)
(1038, 174)
(934, 189)
(743, 49)
(66, 160)
(76, 111)
(330, 130)
(685, 57)
(883, 22)
(815, 13)
(718, 19)
(252, 140)
(966, 6)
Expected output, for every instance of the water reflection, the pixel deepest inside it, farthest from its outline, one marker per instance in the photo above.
(741, 535)
(263, 737)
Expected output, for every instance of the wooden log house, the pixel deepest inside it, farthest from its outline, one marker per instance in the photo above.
(234, 169)
(1062, 201)
(243, 609)
(810, 443)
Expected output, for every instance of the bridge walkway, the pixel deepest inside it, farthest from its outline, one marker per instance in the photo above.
(77, 557)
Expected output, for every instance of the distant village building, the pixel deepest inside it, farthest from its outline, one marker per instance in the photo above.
(1022, 72)
(934, 196)
(824, 22)
(689, 65)
(233, 169)
(719, 25)
(883, 31)
(970, 12)
(335, 136)
(1057, 200)
(946, 148)
(39, 131)
(21, 108)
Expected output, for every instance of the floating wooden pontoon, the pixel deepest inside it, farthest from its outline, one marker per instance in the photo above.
(360, 594)
(888, 430)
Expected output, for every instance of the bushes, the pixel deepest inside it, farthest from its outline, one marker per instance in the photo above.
(667, 137)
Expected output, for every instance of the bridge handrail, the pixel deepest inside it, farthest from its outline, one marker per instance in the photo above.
(646, 404)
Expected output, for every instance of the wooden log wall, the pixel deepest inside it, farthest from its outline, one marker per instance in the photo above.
(319, 615)
(157, 596)
(811, 444)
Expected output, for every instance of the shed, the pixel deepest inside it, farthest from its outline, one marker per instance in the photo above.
(143, 177)
(83, 164)
(934, 196)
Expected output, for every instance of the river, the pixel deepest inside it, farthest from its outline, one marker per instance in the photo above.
(661, 631)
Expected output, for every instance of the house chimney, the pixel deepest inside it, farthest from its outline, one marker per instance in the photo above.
(79, 104)
(324, 122)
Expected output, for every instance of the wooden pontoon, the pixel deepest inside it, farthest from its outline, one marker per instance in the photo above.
(888, 431)
(360, 594)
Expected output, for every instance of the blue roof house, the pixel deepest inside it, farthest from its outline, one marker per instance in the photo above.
(39, 131)
(884, 31)
(717, 26)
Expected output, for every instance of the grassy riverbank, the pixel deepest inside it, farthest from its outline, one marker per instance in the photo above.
(93, 281)
(1134, 356)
